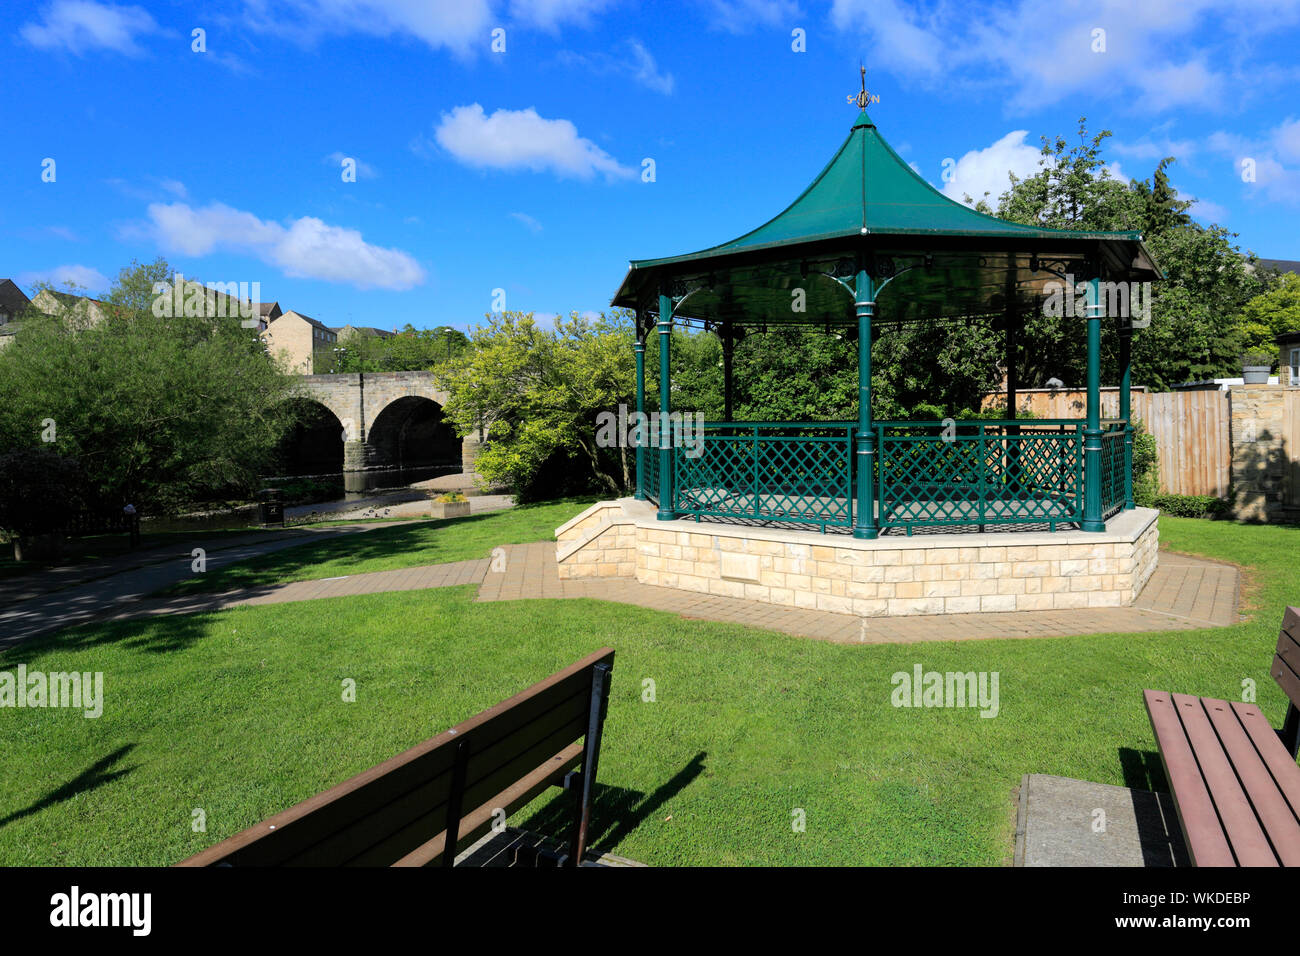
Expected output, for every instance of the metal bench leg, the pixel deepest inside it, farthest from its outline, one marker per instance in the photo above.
(1290, 732)
(590, 757)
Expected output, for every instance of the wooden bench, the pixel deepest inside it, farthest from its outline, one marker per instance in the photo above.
(1234, 779)
(418, 807)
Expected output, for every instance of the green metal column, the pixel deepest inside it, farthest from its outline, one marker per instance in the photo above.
(865, 304)
(640, 408)
(667, 489)
(1125, 404)
(728, 350)
(1092, 520)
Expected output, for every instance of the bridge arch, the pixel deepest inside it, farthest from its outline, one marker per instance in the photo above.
(411, 434)
(314, 445)
(392, 420)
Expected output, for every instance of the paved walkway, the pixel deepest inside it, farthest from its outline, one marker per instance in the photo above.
(1183, 593)
(65, 597)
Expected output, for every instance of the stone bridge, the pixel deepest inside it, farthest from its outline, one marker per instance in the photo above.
(389, 420)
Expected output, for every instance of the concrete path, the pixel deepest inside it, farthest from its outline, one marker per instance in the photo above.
(1064, 822)
(1183, 593)
(398, 504)
(54, 602)
(400, 579)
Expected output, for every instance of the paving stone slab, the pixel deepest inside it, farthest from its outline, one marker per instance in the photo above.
(1065, 822)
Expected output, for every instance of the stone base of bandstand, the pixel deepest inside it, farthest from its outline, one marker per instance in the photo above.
(892, 575)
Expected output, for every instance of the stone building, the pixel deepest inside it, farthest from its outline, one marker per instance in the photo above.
(301, 344)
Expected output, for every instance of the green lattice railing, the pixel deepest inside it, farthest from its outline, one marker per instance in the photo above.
(979, 473)
(1112, 468)
(767, 471)
(651, 459)
(928, 474)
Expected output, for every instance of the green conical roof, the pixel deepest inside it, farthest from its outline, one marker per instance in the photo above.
(867, 197)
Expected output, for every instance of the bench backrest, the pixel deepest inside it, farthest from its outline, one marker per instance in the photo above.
(406, 803)
(1286, 662)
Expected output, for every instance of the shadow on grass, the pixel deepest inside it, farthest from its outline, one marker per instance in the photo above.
(361, 546)
(615, 811)
(96, 775)
(1159, 832)
(156, 635)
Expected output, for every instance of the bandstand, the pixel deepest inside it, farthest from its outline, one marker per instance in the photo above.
(881, 517)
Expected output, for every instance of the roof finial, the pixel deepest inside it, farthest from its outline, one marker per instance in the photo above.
(863, 99)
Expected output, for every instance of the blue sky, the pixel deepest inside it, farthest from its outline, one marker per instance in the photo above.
(522, 170)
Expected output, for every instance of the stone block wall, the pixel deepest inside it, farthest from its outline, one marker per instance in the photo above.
(1260, 457)
(935, 574)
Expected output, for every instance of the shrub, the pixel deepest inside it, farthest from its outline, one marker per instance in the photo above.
(1191, 506)
(40, 490)
(1146, 466)
(450, 497)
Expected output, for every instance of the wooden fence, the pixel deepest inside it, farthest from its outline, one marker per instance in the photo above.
(1190, 428)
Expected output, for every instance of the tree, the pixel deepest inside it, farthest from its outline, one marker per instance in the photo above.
(537, 392)
(410, 350)
(157, 411)
(1195, 326)
(1271, 313)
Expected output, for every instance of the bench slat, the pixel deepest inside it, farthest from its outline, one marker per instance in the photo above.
(1270, 807)
(405, 822)
(1280, 764)
(1245, 836)
(402, 841)
(1201, 827)
(422, 770)
(475, 823)
(1285, 668)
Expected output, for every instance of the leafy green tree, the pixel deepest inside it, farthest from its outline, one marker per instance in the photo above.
(158, 411)
(537, 389)
(1271, 314)
(1195, 327)
(410, 350)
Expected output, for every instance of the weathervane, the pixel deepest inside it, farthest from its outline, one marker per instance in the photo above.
(863, 99)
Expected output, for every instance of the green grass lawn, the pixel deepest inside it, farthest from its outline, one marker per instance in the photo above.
(239, 713)
(384, 549)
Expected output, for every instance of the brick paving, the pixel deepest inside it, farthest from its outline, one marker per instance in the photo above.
(1183, 593)
(374, 582)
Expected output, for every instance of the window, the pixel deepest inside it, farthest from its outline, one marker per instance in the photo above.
(1295, 366)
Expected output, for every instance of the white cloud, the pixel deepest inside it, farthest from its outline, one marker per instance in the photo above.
(986, 170)
(457, 25)
(84, 277)
(646, 71)
(1208, 212)
(1286, 139)
(307, 247)
(1158, 54)
(550, 14)
(1170, 86)
(175, 187)
(81, 26)
(520, 139)
(740, 16)
(532, 224)
(1273, 179)
(364, 169)
(639, 64)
